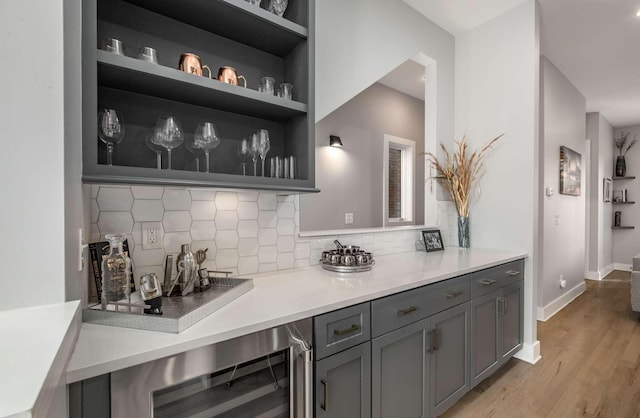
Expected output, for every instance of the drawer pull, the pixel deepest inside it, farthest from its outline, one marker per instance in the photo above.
(407, 311)
(486, 282)
(512, 272)
(352, 328)
(451, 295)
(325, 387)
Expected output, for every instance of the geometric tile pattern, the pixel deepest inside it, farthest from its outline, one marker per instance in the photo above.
(246, 232)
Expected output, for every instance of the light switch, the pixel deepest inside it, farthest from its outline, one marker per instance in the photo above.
(348, 218)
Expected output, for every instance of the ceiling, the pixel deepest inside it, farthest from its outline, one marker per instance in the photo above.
(407, 78)
(594, 43)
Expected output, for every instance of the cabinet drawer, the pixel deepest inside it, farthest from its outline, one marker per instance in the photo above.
(494, 278)
(338, 330)
(398, 310)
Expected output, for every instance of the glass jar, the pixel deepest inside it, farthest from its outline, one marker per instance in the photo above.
(116, 268)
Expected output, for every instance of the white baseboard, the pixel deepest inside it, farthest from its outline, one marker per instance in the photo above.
(599, 275)
(529, 353)
(622, 266)
(546, 312)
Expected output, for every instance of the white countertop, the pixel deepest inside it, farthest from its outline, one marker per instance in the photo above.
(36, 346)
(277, 298)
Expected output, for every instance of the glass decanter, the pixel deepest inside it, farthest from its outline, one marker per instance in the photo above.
(116, 268)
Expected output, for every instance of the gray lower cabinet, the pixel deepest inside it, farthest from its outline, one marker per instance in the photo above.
(496, 329)
(343, 384)
(420, 370)
(400, 372)
(449, 376)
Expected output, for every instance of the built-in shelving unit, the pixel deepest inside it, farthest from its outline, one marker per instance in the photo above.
(256, 42)
(619, 202)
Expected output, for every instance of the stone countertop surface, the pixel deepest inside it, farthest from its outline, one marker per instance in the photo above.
(36, 346)
(277, 298)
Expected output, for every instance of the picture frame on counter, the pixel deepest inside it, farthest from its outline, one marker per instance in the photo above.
(432, 240)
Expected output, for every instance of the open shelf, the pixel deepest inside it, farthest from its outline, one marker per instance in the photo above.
(624, 178)
(237, 20)
(629, 202)
(622, 227)
(131, 74)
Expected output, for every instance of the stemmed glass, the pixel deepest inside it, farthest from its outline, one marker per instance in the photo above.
(243, 153)
(254, 151)
(206, 139)
(264, 146)
(195, 150)
(110, 130)
(155, 148)
(168, 134)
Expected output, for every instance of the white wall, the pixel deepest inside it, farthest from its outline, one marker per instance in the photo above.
(360, 41)
(626, 243)
(564, 116)
(497, 92)
(32, 249)
(600, 237)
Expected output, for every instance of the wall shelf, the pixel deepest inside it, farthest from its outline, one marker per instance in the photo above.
(623, 227)
(629, 202)
(624, 178)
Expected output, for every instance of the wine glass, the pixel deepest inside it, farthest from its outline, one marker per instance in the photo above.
(149, 140)
(169, 135)
(254, 151)
(206, 139)
(264, 146)
(195, 150)
(243, 153)
(110, 130)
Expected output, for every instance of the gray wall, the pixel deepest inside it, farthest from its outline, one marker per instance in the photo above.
(351, 178)
(600, 251)
(626, 243)
(563, 111)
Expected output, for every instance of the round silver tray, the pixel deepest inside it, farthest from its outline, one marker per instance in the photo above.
(347, 269)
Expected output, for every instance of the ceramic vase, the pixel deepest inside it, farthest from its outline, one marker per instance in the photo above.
(463, 232)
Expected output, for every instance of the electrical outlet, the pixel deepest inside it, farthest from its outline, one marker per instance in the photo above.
(348, 218)
(151, 235)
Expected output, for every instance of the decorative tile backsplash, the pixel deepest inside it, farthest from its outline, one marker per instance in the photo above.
(245, 231)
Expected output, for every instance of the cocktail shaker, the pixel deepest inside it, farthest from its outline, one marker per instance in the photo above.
(187, 269)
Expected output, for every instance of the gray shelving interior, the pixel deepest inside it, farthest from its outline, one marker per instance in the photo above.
(144, 91)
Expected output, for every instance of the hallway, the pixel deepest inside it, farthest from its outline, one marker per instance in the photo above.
(590, 363)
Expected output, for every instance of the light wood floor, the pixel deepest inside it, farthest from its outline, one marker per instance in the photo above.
(590, 364)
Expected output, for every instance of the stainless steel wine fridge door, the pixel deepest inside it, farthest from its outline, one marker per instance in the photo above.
(266, 374)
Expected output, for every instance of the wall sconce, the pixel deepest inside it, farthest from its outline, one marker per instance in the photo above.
(335, 141)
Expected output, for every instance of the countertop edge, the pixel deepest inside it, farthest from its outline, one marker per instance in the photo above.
(86, 370)
(36, 404)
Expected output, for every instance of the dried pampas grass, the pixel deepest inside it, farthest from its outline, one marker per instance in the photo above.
(460, 171)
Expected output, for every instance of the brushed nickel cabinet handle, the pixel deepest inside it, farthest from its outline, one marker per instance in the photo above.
(486, 282)
(451, 295)
(352, 328)
(435, 340)
(512, 272)
(501, 302)
(430, 341)
(407, 311)
(325, 398)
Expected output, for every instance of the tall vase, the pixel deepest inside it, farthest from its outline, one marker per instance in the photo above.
(463, 232)
(621, 166)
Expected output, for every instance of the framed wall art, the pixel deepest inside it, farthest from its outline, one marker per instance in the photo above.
(606, 190)
(570, 171)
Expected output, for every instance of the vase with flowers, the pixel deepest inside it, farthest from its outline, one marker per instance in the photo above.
(621, 164)
(458, 173)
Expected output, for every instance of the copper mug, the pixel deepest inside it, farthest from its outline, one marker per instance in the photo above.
(230, 76)
(190, 63)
